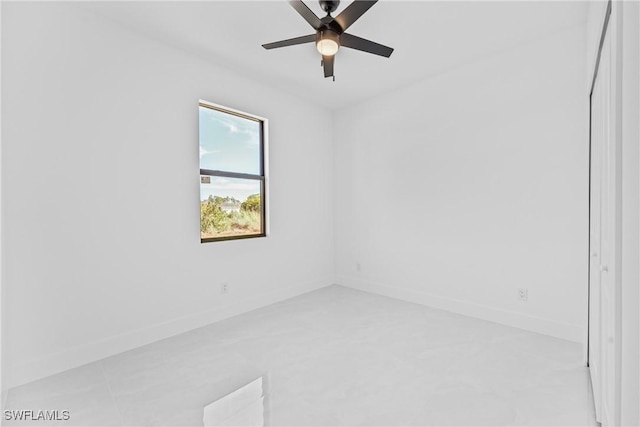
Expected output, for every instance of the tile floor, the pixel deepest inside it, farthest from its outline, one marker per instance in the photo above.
(335, 356)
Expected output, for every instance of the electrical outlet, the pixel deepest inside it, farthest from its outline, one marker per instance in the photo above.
(224, 288)
(523, 294)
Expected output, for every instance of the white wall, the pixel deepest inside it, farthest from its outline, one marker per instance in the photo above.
(457, 191)
(101, 191)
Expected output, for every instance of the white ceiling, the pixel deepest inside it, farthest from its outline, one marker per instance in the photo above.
(429, 37)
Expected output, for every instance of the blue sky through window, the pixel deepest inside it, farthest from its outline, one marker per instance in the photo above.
(229, 143)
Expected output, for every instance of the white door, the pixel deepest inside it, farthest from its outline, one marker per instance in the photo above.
(603, 301)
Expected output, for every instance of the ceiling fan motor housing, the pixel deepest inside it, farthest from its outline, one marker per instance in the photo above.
(328, 34)
(330, 24)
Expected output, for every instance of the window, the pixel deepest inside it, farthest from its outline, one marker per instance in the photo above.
(232, 178)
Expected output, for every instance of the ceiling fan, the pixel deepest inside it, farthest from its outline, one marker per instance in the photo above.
(330, 32)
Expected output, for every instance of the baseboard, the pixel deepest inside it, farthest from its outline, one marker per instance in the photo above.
(509, 318)
(45, 366)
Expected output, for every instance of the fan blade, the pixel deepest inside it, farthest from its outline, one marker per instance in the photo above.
(355, 42)
(327, 62)
(290, 42)
(306, 13)
(354, 11)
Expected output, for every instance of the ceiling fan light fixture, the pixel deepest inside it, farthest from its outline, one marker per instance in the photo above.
(328, 43)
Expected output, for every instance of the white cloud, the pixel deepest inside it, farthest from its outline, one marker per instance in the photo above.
(238, 125)
(204, 152)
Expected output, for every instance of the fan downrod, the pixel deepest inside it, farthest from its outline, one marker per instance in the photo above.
(329, 5)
